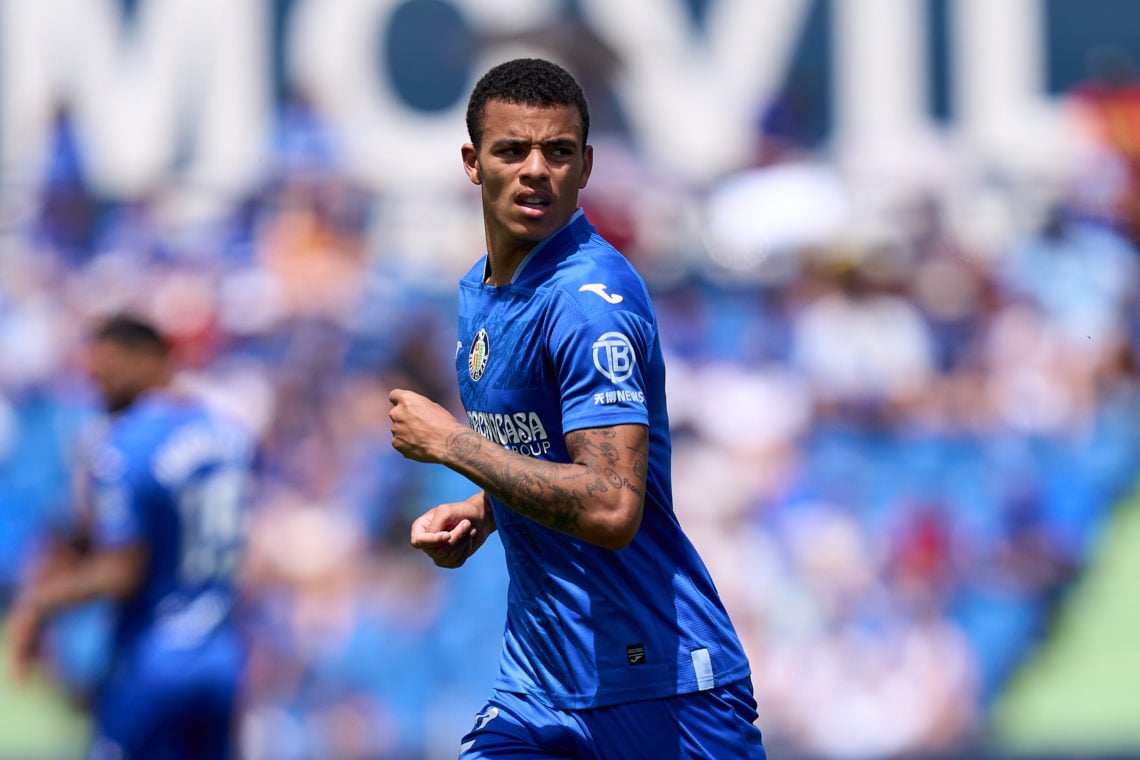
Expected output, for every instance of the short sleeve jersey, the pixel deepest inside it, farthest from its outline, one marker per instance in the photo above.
(572, 343)
(172, 476)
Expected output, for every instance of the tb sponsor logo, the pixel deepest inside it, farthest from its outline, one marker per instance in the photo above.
(614, 357)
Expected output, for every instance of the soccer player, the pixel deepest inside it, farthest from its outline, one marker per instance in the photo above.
(166, 488)
(616, 644)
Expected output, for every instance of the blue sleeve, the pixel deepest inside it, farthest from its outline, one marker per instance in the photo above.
(600, 360)
(119, 488)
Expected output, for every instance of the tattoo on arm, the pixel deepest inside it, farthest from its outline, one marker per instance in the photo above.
(555, 494)
(464, 444)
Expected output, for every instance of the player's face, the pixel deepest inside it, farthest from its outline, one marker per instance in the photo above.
(119, 374)
(530, 165)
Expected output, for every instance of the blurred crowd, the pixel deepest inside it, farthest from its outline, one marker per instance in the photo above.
(898, 434)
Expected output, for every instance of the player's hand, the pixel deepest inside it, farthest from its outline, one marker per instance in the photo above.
(450, 533)
(22, 630)
(420, 426)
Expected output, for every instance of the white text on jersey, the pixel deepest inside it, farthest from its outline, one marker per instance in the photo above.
(522, 432)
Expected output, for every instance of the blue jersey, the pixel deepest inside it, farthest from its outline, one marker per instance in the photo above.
(571, 343)
(172, 475)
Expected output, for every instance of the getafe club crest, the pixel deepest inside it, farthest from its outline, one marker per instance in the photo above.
(477, 358)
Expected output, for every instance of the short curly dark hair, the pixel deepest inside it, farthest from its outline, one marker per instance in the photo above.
(525, 81)
(132, 333)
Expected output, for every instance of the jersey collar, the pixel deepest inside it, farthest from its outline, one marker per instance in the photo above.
(578, 214)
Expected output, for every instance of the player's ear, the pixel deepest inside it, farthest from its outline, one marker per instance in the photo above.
(587, 166)
(471, 163)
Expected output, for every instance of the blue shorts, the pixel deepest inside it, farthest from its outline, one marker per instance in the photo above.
(163, 703)
(717, 723)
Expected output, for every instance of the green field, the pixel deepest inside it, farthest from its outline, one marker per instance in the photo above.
(36, 721)
(1081, 692)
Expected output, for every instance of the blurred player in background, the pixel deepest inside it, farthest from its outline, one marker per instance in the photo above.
(616, 644)
(166, 487)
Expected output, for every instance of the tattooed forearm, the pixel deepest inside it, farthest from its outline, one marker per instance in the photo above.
(464, 444)
(543, 491)
(579, 497)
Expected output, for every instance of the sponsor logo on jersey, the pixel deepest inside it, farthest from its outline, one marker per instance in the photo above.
(619, 397)
(477, 358)
(635, 654)
(522, 432)
(482, 719)
(614, 357)
(599, 290)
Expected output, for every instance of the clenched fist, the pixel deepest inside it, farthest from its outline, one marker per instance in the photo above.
(420, 426)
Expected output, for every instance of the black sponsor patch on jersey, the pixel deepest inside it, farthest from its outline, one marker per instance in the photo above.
(635, 654)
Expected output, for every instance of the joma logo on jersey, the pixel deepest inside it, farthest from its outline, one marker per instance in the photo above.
(477, 358)
(614, 356)
(599, 289)
(521, 431)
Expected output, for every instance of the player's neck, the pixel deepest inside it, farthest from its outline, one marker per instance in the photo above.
(503, 261)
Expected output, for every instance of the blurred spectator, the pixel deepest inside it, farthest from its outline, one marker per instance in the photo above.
(1108, 107)
(68, 215)
(862, 348)
(1079, 274)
